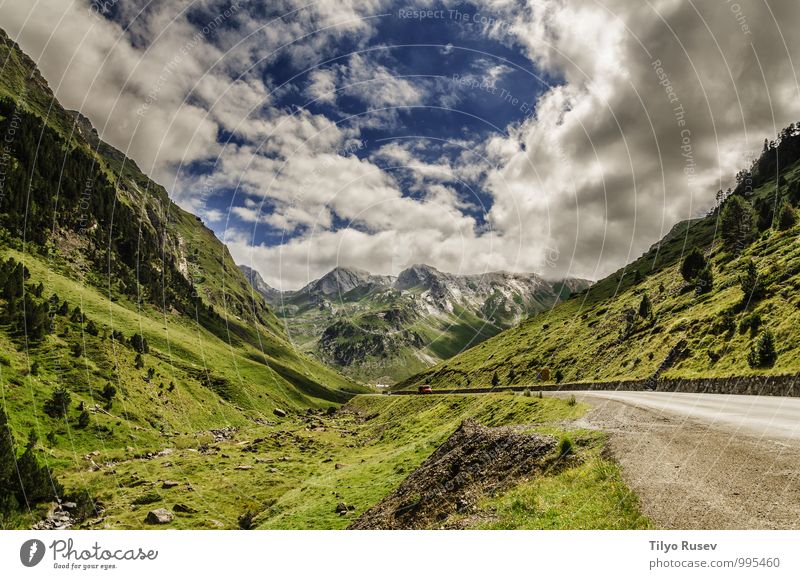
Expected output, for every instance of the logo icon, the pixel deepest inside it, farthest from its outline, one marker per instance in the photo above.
(31, 553)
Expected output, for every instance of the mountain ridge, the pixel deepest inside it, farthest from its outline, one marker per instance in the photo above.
(381, 327)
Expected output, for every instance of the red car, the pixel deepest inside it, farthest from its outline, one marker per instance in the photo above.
(424, 389)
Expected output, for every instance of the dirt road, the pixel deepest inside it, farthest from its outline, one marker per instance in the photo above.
(703, 464)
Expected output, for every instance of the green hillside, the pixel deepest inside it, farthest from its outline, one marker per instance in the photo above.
(703, 326)
(123, 319)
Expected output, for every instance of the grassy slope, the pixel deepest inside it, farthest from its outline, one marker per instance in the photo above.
(228, 371)
(376, 441)
(580, 336)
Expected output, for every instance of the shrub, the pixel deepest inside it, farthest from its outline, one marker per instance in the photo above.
(91, 328)
(572, 401)
(565, 446)
(705, 281)
(693, 264)
(247, 520)
(751, 288)
(76, 316)
(83, 419)
(738, 223)
(751, 322)
(559, 375)
(139, 344)
(787, 217)
(645, 307)
(763, 354)
(108, 392)
(58, 403)
(77, 349)
(495, 380)
(22, 480)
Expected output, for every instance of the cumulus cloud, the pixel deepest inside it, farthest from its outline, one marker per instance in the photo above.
(613, 159)
(654, 108)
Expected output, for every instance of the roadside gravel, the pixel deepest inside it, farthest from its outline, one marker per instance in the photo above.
(690, 475)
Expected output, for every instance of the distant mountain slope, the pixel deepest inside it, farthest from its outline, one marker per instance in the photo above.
(108, 286)
(382, 328)
(714, 324)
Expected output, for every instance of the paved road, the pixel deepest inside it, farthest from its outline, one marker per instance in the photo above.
(705, 461)
(762, 416)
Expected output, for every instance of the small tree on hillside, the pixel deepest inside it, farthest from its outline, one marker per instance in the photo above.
(763, 354)
(693, 264)
(705, 281)
(36, 483)
(738, 223)
(645, 307)
(787, 216)
(749, 282)
(58, 403)
(495, 380)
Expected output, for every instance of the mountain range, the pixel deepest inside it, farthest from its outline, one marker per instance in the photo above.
(383, 328)
(716, 297)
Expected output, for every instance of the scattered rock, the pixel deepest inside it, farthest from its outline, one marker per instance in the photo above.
(69, 506)
(181, 508)
(341, 509)
(170, 484)
(338, 465)
(243, 467)
(279, 413)
(159, 517)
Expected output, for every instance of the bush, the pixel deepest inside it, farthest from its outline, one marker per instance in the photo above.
(23, 482)
(751, 288)
(645, 307)
(247, 520)
(763, 354)
(91, 328)
(83, 419)
(738, 223)
(572, 401)
(139, 344)
(565, 446)
(705, 281)
(693, 264)
(787, 217)
(495, 380)
(751, 322)
(559, 375)
(108, 392)
(58, 403)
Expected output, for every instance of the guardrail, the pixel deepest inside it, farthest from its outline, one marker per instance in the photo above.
(782, 385)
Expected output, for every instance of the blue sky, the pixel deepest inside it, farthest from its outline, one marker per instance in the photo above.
(519, 135)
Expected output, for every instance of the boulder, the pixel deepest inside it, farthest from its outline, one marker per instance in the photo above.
(170, 484)
(279, 413)
(159, 517)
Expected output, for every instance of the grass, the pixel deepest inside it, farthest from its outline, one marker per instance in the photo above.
(583, 336)
(293, 481)
(591, 495)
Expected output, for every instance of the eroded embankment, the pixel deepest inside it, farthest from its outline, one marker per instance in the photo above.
(474, 462)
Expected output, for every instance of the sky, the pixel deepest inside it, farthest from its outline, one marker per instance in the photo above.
(561, 137)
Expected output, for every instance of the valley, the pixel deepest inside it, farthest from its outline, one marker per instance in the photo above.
(381, 329)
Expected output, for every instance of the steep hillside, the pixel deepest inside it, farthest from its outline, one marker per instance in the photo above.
(729, 309)
(382, 328)
(123, 320)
